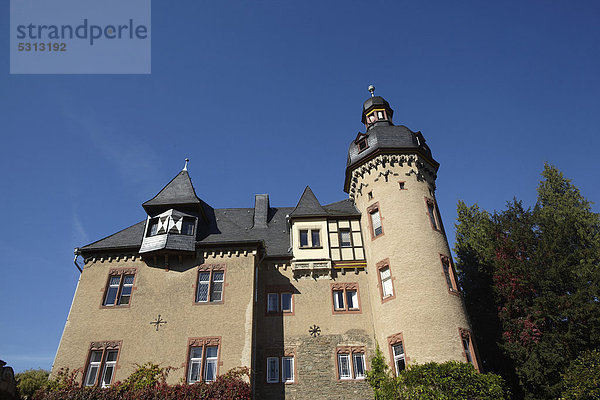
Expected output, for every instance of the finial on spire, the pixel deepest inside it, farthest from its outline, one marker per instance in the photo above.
(186, 162)
(372, 90)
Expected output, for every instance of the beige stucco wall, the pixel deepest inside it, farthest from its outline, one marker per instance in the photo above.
(170, 293)
(423, 310)
(315, 356)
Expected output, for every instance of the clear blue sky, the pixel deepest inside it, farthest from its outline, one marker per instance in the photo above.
(264, 97)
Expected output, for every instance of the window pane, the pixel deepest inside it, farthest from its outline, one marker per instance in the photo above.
(203, 279)
(286, 302)
(287, 369)
(216, 291)
(345, 240)
(128, 280)
(338, 299)
(376, 222)
(111, 296)
(447, 274)
(272, 369)
(272, 302)
(400, 365)
(431, 210)
(194, 372)
(344, 366)
(316, 238)
(212, 351)
(359, 365)
(385, 272)
(152, 227)
(96, 356)
(92, 373)
(398, 349)
(467, 350)
(108, 373)
(125, 295)
(111, 355)
(388, 290)
(210, 370)
(196, 352)
(187, 227)
(352, 298)
(303, 238)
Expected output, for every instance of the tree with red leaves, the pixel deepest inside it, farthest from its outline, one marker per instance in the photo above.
(531, 283)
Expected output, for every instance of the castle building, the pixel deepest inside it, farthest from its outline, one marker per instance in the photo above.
(301, 295)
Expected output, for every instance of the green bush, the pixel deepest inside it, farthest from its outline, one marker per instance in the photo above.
(581, 381)
(31, 380)
(451, 380)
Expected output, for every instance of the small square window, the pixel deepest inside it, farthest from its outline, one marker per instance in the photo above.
(370, 195)
(402, 185)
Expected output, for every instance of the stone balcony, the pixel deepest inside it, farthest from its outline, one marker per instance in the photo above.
(315, 269)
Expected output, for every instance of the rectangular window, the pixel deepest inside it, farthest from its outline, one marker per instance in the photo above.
(449, 274)
(376, 223)
(345, 238)
(203, 360)
(351, 363)
(434, 215)
(187, 226)
(287, 369)
(119, 288)
(345, 297)
(468, 347)
(279, 302)
(101, 366)
(272, 369)
(310, 238)
(387, 288)
(399, 363)
(210, 286)
(362, 144)
(152, 227)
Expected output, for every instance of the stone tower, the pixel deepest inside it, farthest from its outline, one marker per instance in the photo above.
(418, 312)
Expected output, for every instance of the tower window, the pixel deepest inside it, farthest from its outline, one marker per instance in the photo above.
(399, 362)
(402, 185)
(380, 115)
(370, 195)
(375, 217)
(362, 144)
(449, 274)
(468, 347)
(434, 215)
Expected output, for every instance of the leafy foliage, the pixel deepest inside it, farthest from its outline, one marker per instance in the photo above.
(531, 279)
(148, 382)
(582, 379)
(31, 380)
(451, 380)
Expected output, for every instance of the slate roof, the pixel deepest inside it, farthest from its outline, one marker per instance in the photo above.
(179, 191)
(230, 225)
(308, 205)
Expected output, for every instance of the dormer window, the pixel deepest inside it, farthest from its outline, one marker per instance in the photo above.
(152, 227)
(362, 144)
(187, 226)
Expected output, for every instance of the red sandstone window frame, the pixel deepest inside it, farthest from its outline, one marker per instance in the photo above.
(211, 269)
(371, 210)
(279, 290)
(280, 355)
(379, 266)
(203, 342)
(435, 220)
(393, 340)
(104, 346)
(451, 279)
(121, 272)
(350, 351)
(345, 287)
(469, 348)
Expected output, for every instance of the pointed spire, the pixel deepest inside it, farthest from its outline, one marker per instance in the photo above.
(187, 160)
(178, 192)
(308, 205)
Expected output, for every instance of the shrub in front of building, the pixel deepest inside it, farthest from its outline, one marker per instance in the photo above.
(451, 380)
(148, 382)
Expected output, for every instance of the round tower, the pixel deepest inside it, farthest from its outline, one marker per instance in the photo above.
(417, 307)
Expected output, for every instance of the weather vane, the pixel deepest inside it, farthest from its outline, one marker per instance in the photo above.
(186, 162)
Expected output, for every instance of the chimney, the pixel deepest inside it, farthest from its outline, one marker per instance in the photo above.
(261, 210)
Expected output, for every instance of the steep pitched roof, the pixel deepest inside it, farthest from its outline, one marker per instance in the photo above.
(308, 205)
(179, 191)
(342, 208)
